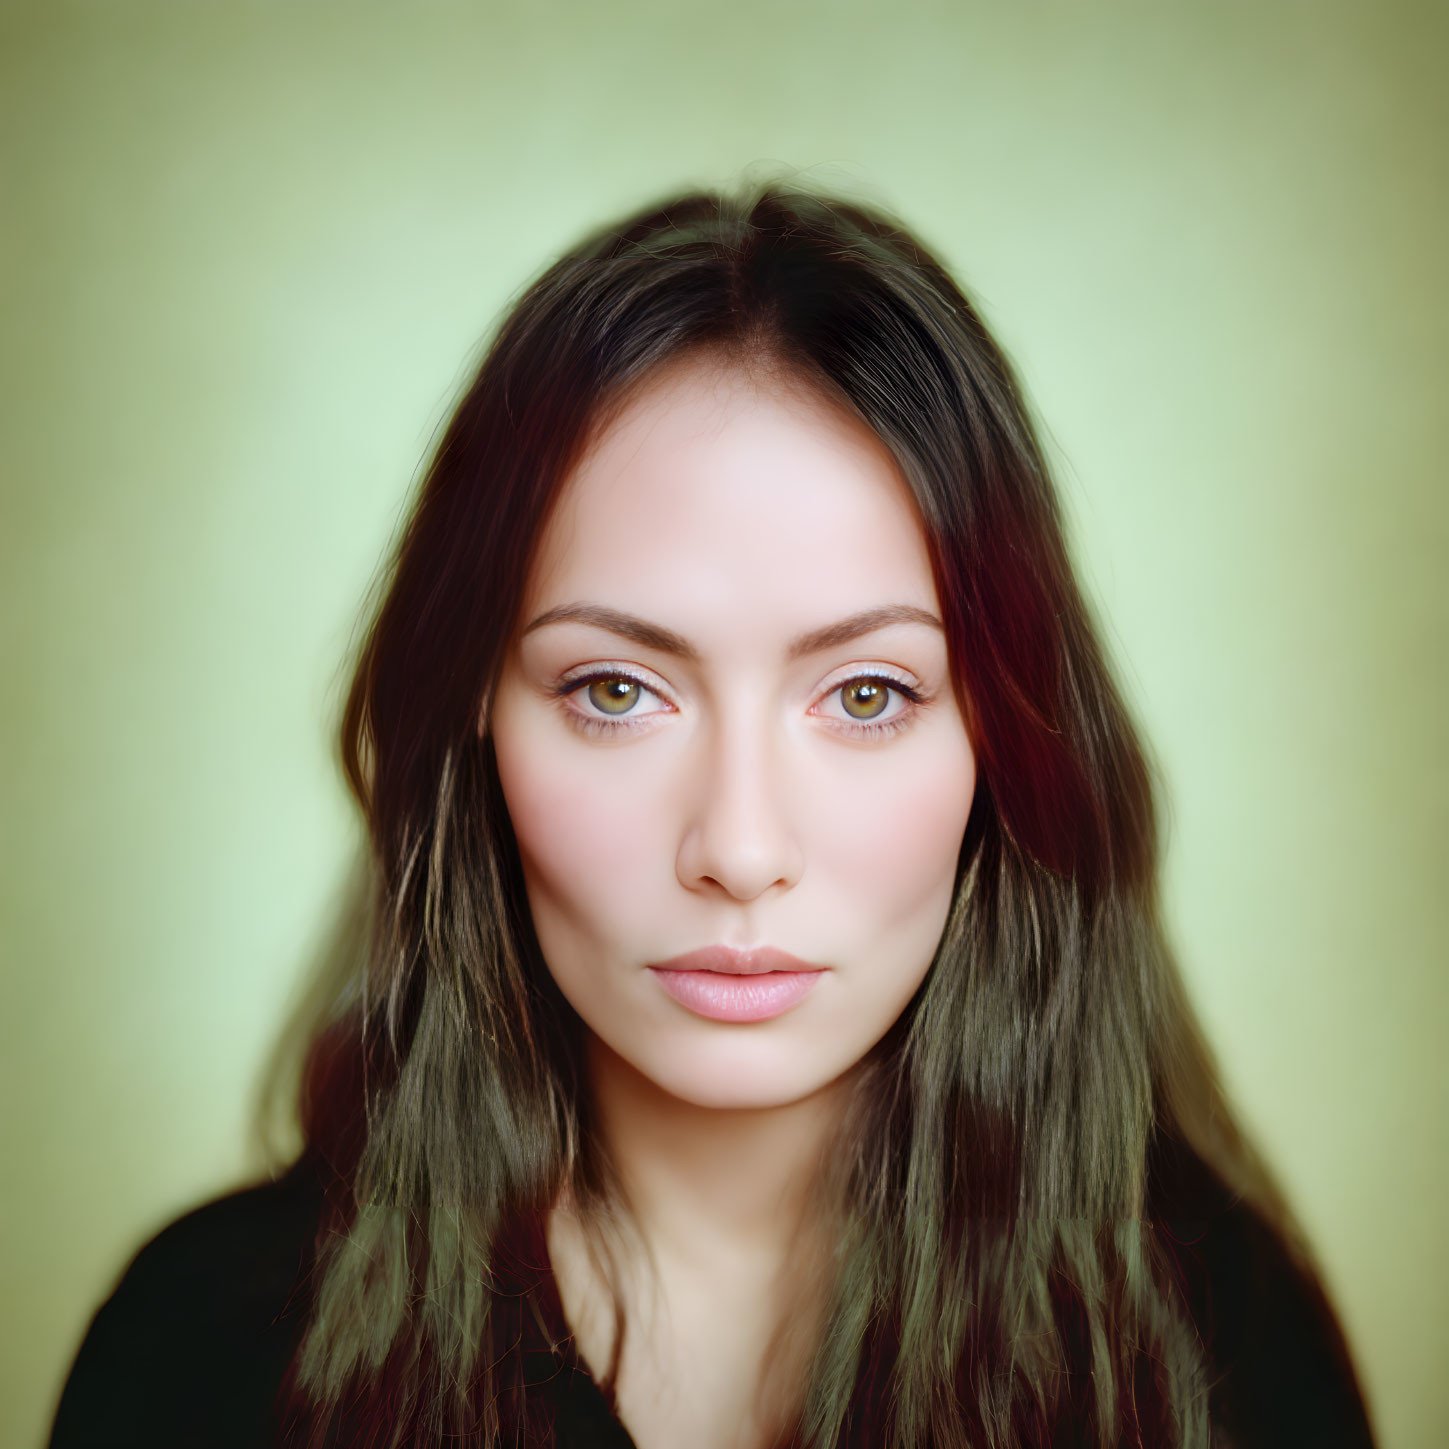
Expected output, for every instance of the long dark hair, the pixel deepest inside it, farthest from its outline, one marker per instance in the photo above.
(999, 1274)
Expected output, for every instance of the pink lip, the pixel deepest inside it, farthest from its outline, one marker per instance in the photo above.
(728, 985)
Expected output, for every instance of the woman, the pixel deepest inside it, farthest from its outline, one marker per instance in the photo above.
(766, 1033)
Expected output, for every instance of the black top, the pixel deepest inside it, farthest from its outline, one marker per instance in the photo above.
(190, 1349)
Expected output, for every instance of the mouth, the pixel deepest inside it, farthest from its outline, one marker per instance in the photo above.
(724, 984)
(732, 961)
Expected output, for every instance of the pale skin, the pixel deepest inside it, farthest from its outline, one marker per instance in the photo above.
(737, 800)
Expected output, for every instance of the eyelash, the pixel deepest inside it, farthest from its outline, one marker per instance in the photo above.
(858, 729)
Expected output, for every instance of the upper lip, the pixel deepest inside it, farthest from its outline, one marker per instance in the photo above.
(734, 962)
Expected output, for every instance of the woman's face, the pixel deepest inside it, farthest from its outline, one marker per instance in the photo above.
(704, 772)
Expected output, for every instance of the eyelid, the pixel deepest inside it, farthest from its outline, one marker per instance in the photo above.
(874, 671)
(577, 681)
(608, 669)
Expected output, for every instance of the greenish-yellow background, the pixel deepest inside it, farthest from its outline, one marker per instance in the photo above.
(248, 251)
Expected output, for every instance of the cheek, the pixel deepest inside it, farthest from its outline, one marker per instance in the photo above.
(893, 838)
(584, 837)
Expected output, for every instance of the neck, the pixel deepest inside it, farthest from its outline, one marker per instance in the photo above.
(730, 1186)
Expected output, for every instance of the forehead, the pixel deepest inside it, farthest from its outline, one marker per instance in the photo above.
(716, 497)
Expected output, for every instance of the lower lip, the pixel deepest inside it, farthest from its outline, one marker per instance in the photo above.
(724, 997)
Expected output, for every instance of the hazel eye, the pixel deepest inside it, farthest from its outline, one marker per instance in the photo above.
(615, 694)
(611, 702)
(607, 699)
(865, 699)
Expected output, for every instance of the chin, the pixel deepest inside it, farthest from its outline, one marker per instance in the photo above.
(753, 1083)
(734, 1096)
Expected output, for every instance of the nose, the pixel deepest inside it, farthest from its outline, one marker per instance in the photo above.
(737, 833)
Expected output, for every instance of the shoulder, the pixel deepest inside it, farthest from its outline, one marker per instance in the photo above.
(1281, 1369)
(194, 1340)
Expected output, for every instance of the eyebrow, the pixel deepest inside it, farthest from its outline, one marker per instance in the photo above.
(656, 636)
